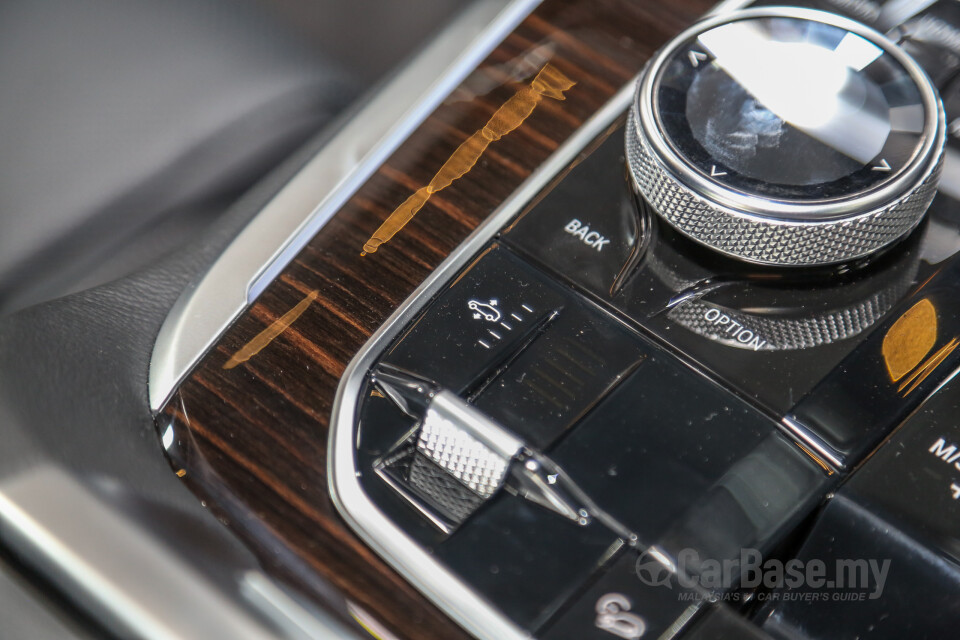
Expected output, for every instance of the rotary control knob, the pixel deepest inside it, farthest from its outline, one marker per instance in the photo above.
(786, 136)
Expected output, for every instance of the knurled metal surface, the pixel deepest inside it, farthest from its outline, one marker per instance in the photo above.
(461, 455)
(453, 499)
(781, 329)
(771, 241)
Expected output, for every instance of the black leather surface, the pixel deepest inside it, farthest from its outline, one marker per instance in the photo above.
(73, 392)
(126, 126)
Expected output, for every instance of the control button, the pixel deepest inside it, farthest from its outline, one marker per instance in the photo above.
(913, 481)
(667, 447)
(889, 541)
(770, 334)
(615, 617)
(565, 372)
(526, 559)
(630, 601)
(454, 460)
(592, 236)
(760, 499)
(486, 316)
(457, 458)
(788, 312)
(835, 161)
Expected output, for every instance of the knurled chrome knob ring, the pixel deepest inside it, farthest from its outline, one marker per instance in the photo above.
(767, 240)
(759, 230)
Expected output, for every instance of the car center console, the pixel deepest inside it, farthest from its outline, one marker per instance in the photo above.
(705, 341)
(631, 326)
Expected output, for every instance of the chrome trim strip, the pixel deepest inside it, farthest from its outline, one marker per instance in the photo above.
(813, 441)
(291, 219)
(416, 565)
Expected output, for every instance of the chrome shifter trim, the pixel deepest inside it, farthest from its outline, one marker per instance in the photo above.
(295, 215)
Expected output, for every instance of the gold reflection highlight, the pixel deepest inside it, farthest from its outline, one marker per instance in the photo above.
(907, 343)
(817, 459)
(271, 333)
(927, 368)
(549, 82)
(910, 339)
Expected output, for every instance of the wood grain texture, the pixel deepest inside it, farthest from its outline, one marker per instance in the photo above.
(252, 439)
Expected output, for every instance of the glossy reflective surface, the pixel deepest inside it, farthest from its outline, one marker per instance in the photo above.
(790, 109)
(252, 439)
(900, 511)
(808, 344)
(654, 445)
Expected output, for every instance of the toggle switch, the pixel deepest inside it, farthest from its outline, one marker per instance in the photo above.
(457, 458)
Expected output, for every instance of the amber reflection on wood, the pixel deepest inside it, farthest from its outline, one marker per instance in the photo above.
(253, 438)
(550, 82)
(271, 333)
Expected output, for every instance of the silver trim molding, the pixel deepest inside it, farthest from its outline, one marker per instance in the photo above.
(272, 238)
(113, 568)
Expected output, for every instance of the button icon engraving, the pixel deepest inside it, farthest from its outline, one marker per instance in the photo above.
(590, 238)
(485, 310)
(490, 311)
(614, 617)
(696, 57)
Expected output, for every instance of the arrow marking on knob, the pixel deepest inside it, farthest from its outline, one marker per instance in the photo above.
(696, 57)
(883, 166)
(716, 174)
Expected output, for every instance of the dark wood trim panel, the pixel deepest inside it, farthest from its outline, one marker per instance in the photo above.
(250, 422)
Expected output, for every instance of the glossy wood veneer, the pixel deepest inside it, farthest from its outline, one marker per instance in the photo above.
(251, 439)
